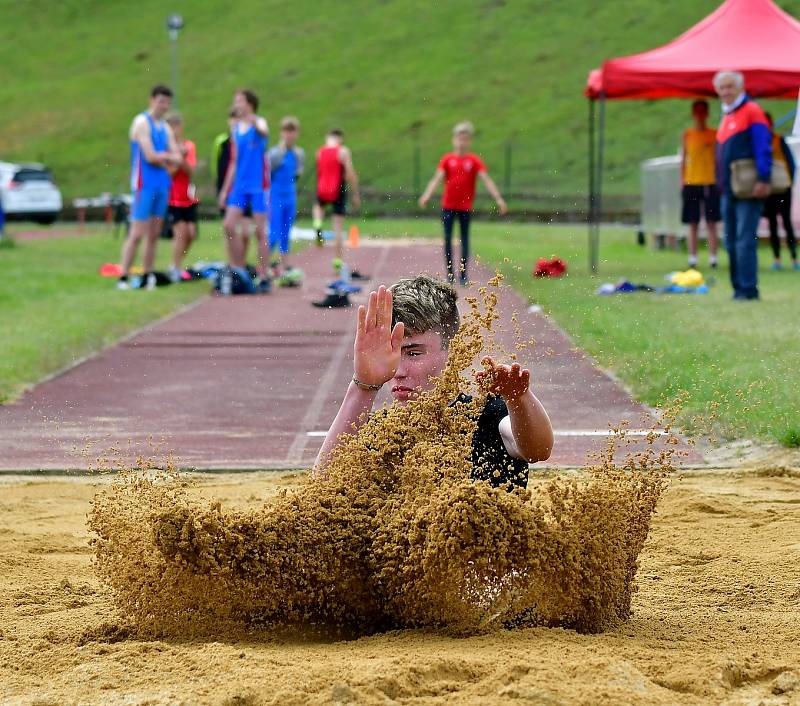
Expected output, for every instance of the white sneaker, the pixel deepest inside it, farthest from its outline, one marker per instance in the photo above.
(174, 275)
(150, 282)
(123, 285)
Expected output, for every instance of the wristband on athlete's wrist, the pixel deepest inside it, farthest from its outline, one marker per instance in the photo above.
(365, 385)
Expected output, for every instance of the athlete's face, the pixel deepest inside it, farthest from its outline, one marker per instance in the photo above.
(462, 141)
(289, 135)
(241, 106)
(159, 105)
(422, 357)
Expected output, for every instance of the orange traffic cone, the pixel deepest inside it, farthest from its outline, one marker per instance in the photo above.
(353, 237)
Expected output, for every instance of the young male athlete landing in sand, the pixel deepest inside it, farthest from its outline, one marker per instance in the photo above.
(402, 339)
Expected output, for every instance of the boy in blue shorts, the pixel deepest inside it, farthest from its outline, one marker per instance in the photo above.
(153, 151)
(286, 163)
(246, 183)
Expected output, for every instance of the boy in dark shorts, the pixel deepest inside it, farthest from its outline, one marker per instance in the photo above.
(182, 199)
(459, 170)
(335, 172)
(402, 340)
(699, 191)
(780, 203)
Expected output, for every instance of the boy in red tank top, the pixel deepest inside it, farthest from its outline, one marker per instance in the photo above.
(459, 170)
(335, 173)
(182, 199)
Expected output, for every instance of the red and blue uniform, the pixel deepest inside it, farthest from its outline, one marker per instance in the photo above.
(743, 134)
(150, 183)
(251, 179)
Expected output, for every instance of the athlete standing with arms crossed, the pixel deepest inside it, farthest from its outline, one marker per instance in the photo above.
(153, 152)
(246, 183)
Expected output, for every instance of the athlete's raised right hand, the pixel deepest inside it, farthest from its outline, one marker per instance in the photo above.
(377, 346)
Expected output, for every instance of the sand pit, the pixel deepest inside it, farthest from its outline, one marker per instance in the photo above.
(715, 619)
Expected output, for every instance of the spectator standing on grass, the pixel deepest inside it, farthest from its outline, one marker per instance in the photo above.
(286, 163)
(246, 183)
(744, 166)
(459, 170)
(153, 152)
(699, 191)
(780, 204)
(182, 199)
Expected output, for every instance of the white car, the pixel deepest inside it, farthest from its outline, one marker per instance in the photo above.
(27, 192)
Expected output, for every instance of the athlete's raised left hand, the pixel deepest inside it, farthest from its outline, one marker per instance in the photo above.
(508, 381)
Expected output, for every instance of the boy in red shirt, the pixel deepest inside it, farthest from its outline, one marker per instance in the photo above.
(460, 169)
(182, 201)
(335, 172)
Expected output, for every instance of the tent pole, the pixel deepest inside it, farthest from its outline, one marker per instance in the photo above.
(599, 182)
(590, 210)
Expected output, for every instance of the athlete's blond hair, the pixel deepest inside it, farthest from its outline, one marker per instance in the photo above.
(290, 123)
(464, 128)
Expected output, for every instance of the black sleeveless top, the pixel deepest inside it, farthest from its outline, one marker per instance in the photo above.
(490, 460)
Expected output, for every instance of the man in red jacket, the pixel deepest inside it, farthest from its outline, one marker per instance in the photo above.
(743, 136)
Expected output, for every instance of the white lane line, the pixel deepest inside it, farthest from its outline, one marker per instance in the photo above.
(570, 432)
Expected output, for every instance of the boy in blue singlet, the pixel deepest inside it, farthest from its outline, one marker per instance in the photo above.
(286, 163)
(153, 151)
(246, 183)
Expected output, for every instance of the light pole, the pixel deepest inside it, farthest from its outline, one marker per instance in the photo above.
(174, 24)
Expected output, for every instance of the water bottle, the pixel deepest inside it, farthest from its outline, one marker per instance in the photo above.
(226, 282)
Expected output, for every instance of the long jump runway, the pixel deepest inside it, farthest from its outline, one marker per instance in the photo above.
(254, 382)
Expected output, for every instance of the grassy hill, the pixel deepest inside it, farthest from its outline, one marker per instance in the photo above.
(393, 73)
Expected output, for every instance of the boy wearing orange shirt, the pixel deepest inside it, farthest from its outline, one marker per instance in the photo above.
(699, 190)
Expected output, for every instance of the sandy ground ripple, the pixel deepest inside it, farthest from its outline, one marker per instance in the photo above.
(716, 619)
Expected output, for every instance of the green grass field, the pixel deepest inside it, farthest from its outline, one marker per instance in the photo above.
(392, 74)
(735, 362)
(55, 308)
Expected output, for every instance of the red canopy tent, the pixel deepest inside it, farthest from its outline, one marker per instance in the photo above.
(755, 37)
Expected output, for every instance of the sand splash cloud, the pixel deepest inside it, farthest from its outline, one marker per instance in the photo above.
(396, 536)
